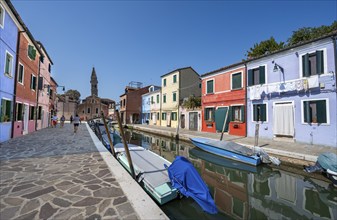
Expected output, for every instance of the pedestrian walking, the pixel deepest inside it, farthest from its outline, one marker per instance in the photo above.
(77, 122)
(71, 119)
(62, 121)
(54, 121)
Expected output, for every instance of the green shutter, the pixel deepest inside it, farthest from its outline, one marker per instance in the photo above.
(157, 98)
(229, 118)
(236, 81)
(262, 74)
(151, 99)
(319, 62)
(213, 114)
(250, 77)
(164, 98)
(205, 114)
(307, 115)
(263, 113)
(164, 82)
(321, 111)
(210, 86)
(306, 65)
(255, 111)
(243, 113)
(40, 83)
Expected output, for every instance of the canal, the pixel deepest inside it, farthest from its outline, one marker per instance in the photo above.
(241, 191)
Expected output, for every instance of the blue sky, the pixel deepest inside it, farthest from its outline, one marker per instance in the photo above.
(142, 40)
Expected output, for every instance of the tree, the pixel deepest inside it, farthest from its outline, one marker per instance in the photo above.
(73, 94)
(264, 47)
(309, 33)
(192, 102)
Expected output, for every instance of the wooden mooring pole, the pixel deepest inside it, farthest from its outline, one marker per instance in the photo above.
(126, 148)
(108, 133)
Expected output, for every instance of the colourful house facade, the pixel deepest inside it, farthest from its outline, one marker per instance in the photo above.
(223, 98)
(176, 86)
(9, 29)
(291, 93)
(151, 106)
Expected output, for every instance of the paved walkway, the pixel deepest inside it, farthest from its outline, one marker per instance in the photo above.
(55, 174)
(286, 149)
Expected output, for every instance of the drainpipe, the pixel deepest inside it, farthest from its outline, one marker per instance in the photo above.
(15, 80)
(246, 102)
(37, 93)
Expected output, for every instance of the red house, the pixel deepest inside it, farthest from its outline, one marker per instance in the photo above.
(223, 98)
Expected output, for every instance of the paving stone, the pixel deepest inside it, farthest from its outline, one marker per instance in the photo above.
(28, 216)
(124, 209)
(110, 212)
(94, 217)
(104, 204)
(40, 182)
(25, 186)
(131, 217)
(108, 192)
(87, 177)
(9, 213)
(74, 189)
(110, 180)
(39, 192)
(78, 217)
(4, 191)
(46, 211)
(95, 181)
(30, 205)
(64, 183)
(88, 202)
(93, 187)
(67, 214)
(13, 201)
(84, 192)
(119, 200)
(61, 202)
(90, 210)
(73, 198)
(103, 173)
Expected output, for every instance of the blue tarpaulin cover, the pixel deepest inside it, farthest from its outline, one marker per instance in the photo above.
(187, 180)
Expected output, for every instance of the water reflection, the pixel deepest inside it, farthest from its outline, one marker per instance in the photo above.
(242, 191)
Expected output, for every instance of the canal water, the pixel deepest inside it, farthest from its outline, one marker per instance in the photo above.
(241, 191)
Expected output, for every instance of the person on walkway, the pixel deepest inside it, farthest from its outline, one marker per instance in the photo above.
(62, 121)
(71, 119)
(54, 121)
(77, 121)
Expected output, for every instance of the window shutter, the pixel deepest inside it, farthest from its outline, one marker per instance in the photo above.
(306, 65)
(205, 113)
(319, 62)
(262, 75)
(243, 113)
(210, 86)
(31, 81)
(321, 111)
(40, 83)
(250, 77)
(263, 112)
(307, 115)
(255, 113)
(230, 113)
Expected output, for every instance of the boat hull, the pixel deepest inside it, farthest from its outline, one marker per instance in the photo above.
(251, 160)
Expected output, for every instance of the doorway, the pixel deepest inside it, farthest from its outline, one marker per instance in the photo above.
(283, 119)
(182, 121)
(25, 119)
(220, 115)
(193, 121)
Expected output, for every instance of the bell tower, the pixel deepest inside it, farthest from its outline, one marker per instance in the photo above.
(94, 82)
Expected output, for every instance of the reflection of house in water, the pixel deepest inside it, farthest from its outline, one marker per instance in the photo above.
(227, 186)
(290, 197)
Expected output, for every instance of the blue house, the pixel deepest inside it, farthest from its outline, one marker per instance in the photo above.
(9, 29)
(291, 93)
(148, 101)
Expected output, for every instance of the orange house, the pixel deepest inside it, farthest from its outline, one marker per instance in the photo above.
(223, 100)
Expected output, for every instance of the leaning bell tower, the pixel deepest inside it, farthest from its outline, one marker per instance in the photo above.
(94, 82)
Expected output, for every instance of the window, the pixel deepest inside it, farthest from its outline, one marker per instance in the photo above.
(31, 112)
(259, 112)
(164, 98)
(163, 116)
(9, 65)
(164, 82)
(88, 111)
(174, 116)
(2, 16)
(209, 114)
(174, 97)
(49, 68)
(209, 86)
(33, 82)
(21, 73)
(315, 111)
(313, 63)
(31, 52)
(124, 102)
(5, 110)
(238, 113)
(158, 115)
(157, 98)
(51, 92)
(236, 81)
(152, 100)
(174, 78)
(39, 113)
(256, 76)
(96, 110)
(19, 112)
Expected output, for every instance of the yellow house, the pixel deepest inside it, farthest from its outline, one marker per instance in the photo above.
(176, 86)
